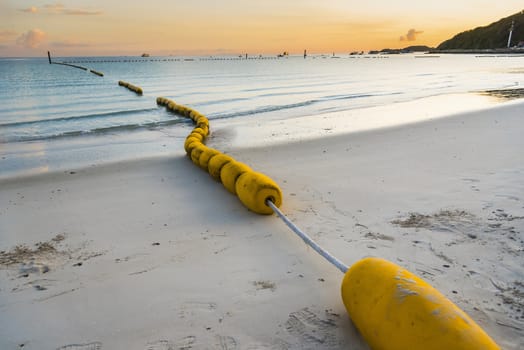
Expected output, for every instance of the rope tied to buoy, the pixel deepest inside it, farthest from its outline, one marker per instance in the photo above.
(308, 240)
(394, 309)
(391, 307)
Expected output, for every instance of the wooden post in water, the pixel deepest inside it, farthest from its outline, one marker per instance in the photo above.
(49, 57)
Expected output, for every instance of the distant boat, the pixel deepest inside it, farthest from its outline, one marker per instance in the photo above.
(145, 55)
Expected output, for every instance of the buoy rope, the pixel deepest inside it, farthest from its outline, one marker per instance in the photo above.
(308, 240)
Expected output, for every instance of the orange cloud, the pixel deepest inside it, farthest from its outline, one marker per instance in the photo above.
(411, 35)
(31, 9)
(59, 9)
(31, 39)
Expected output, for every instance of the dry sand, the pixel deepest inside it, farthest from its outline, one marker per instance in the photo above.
(154, 254)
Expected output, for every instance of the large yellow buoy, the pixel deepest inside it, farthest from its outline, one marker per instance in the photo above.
(253, 189)
(395, 310)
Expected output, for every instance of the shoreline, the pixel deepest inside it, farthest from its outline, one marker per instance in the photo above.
(152, 254)
(38, 157)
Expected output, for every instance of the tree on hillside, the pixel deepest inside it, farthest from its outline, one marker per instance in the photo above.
(492, 36)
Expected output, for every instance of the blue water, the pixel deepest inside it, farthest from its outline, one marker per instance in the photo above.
(55, 117)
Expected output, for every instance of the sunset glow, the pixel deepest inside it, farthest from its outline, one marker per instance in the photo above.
(198, 27)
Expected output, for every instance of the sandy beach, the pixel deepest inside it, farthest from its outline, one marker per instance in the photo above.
(155, 254)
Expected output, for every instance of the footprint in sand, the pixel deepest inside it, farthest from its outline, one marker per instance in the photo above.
(185, 343)
(225, 343)
(312, 331)
(89, 346)
(189, 342)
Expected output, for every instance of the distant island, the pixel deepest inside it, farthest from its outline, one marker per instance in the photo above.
(409, 49)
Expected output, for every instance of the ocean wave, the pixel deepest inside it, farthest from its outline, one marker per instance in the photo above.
(275, 108)
(95, 131)
(264, 109)
(221, 101)
(78, 117)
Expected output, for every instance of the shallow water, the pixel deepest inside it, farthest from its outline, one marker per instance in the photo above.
(58, 117)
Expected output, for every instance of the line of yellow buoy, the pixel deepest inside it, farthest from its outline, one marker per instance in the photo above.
(392, 308)
(251, 187)
(136, 89)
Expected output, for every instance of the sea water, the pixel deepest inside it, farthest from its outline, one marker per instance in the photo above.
(55, 117)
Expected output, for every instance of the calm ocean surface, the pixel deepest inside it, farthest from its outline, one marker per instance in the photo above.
(55, 117)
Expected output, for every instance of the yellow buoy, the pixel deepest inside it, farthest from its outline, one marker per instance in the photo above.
(191, 146)
(216, 163)
(189, 140)
(206, 156)
(202, 120)
(197, 135)
(395, 310)
(205, 128)
(194, 115)
(171, 106)
(253, 189)
(134, 88)
(199, 131)
(230, 173)
(196, 152)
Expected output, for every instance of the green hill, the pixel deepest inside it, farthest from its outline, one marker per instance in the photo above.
(493, 36)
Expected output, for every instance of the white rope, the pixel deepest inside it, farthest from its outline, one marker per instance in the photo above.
(337, 263)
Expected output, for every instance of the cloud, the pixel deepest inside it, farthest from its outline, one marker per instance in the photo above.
(59, 9)
(82, 12)
(411, 35)
(55, 8)
(31, 9)
(31, 39)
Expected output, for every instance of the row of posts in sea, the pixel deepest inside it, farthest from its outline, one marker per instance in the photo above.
(211, 58)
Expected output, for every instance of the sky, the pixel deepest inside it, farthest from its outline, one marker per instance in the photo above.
(206, 27)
